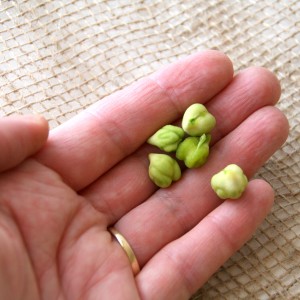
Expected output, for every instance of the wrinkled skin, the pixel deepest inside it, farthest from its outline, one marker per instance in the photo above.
(59, 194)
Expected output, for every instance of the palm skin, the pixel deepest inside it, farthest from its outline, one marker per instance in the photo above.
(54, 236)
(59, 194)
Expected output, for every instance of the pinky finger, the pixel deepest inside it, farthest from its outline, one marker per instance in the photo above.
(20, 137)
(183, 266)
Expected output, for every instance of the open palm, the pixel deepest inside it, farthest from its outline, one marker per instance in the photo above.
(58, 195)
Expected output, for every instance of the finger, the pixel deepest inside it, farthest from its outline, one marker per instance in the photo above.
(20, 137)
(91, 143)
(184, 265)
(189, 200)
(250, 90)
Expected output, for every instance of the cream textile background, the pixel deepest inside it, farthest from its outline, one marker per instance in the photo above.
(58, 57)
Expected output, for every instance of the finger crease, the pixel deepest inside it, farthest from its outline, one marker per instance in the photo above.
(113, 126)
(170, 92)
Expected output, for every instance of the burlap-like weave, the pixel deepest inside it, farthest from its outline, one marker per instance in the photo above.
(58, 57)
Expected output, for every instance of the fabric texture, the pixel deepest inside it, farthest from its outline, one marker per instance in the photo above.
(58, 57)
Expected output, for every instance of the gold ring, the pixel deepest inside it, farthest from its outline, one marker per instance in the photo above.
(127, 248)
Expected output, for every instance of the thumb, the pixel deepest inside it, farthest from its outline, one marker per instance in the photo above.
(20, 137)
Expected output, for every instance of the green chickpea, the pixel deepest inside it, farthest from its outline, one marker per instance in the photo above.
(167, 138)
(194, 151)
(229, 183)
(197, 120)
(163, 169)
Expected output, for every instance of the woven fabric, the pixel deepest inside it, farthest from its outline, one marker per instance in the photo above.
(58, 57)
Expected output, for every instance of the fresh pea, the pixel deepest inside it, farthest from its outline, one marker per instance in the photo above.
(194, 151)
(163, 169)
(197, 120)
(167, 138)
(229, 183)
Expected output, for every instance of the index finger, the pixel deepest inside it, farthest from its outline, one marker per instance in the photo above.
(88, 145)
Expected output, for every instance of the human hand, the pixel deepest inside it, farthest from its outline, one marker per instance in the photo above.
(92, 173)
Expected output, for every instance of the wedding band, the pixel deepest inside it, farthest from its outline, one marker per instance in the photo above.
(127, 249)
